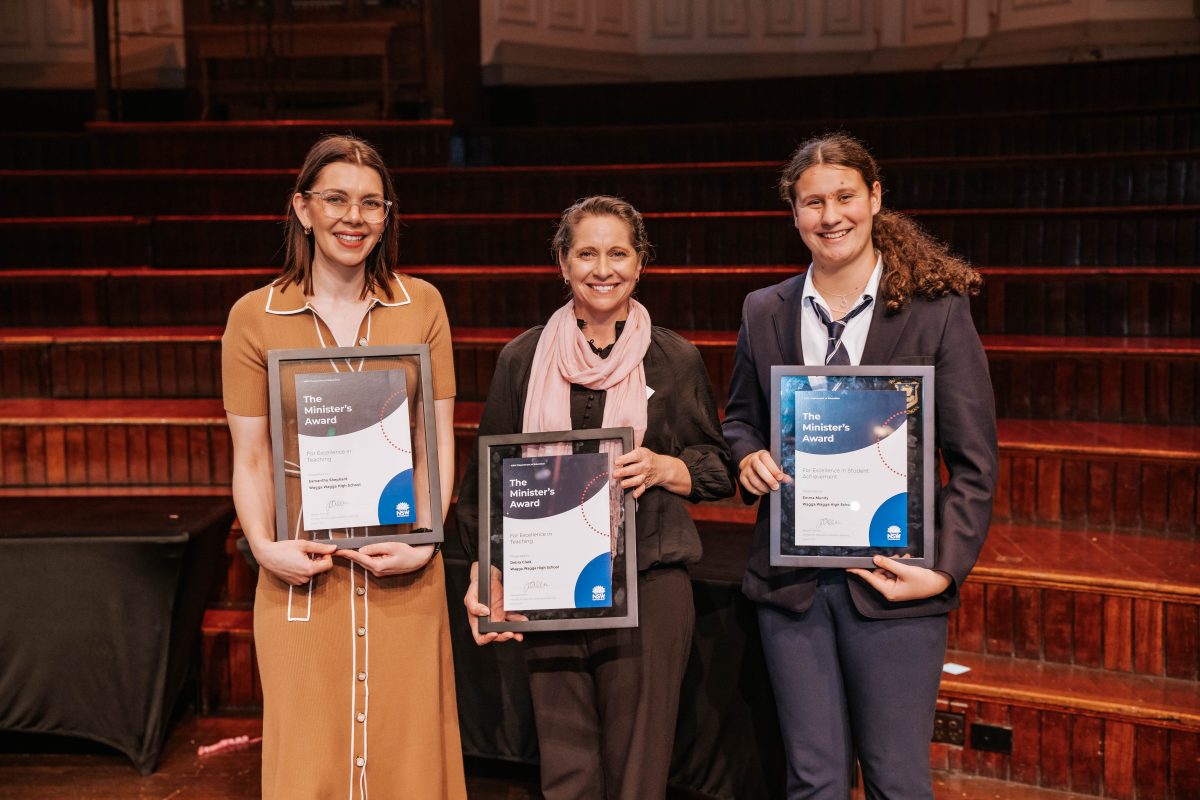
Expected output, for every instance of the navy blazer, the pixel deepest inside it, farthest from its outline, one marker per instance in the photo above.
(938, 332)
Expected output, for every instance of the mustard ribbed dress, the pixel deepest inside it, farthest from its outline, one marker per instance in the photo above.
(357, 671)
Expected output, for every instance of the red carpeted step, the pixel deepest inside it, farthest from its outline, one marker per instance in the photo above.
(1073, 301)
(1133, 235)
(904, 137)
(1083, 473)
(1039, 377)
(274, 143)
(1076, 180)
(1074, 728)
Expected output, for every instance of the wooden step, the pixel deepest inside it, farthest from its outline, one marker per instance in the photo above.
(1060, 181)
(1004, 92)
(1074, 728)
(1071, 728)
(1095, 474)
(43, 150)
(228, 671)
(257, 144)
(64, 443)
(1036, 377)
(100, 362)
(1099, 474)
(1134, 236)
(1127, 602)
(1038, 133)
(1063, 301)
(1124, 602)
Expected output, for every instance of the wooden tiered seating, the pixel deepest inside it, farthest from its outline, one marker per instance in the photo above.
(1122, 179)
(1081, 623)
(1161, 235)
(1099, 301)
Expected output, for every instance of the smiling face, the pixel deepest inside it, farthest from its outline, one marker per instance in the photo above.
(833, 210)
(341, 243)
(602, 268)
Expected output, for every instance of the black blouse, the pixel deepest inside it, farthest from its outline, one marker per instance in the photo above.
(681, 422)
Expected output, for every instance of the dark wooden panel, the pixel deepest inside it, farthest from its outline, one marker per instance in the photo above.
(1148, 646)
(1185, 764)
(1056, 750)
(1025, 763)
(1151, 762)
(1118, 633)
(999, 619)
(969, 618)
(1027, 635)
(1087, 755)
(1119, 760)
(1182, 656)
(1058, 614)
(1088, 629)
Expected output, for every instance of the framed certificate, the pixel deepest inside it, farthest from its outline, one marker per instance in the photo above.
(354, 445)
(857, 443)
(556, 531)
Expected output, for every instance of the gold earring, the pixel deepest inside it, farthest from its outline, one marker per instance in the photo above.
(307, 231)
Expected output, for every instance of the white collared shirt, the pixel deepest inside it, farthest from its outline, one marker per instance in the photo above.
(814, 336)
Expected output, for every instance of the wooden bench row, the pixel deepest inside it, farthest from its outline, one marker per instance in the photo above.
(1073, 728)
(1101, 86)
(1082, 473)
(1057, 301)
(1131, 236)
(1087, 379)
(1123, 602)
(1046, 133)
(1131, 179)
(260, 144)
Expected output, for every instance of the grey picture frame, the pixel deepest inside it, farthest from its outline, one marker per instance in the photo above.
(276, 359)
(924, 486)
(565, 619)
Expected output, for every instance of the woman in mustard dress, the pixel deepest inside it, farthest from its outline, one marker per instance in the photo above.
(353, 646)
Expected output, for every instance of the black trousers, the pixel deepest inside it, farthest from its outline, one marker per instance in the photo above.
(605, 701)
(845, 683)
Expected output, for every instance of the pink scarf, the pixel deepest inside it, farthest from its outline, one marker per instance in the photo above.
(563, 357)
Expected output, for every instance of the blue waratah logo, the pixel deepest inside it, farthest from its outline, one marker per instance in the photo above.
(598, 593)
(893, 533)
(402, 509)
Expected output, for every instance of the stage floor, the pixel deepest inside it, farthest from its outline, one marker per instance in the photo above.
(80, 770)
(51, 768)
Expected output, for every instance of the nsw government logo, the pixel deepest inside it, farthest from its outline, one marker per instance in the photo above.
(402, 510)
(598, 593)
(893, 533)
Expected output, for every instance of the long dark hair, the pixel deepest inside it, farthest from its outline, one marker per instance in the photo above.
(298, 255)
(914, 263)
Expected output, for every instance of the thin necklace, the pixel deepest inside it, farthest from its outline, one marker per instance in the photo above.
(844, 301)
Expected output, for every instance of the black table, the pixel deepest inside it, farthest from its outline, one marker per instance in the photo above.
(103, 600)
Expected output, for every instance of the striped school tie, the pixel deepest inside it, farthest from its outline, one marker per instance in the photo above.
(835, 354)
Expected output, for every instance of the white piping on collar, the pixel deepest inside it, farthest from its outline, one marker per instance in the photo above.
(269, 310)
(403, 290)
(402, 302)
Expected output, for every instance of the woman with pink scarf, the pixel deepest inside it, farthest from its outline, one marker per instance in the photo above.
(605, 701)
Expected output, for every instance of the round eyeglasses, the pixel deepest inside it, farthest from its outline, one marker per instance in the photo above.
(336, 205)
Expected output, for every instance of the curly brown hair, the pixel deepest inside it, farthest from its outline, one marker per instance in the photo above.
(298, 245)
(914, 263)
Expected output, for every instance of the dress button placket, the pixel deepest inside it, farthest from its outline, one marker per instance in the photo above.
(359, 626)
